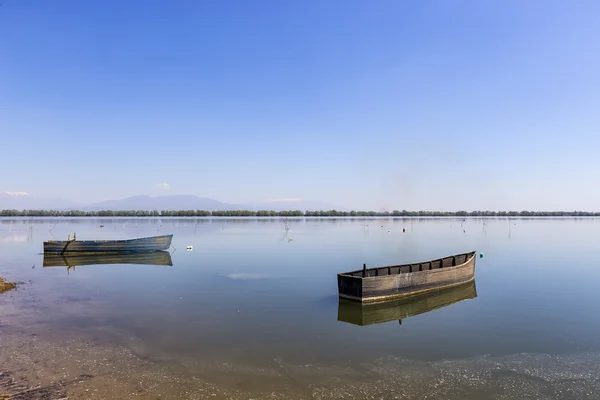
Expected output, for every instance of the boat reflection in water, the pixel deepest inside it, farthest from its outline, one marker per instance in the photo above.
(364, 314)
(71, 261)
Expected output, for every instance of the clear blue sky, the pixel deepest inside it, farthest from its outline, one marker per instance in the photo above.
(366, 104)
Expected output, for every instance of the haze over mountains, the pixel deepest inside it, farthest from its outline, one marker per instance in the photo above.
(23, 201)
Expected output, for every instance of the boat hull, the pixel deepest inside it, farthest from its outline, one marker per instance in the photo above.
(388, 283)
(154, 243)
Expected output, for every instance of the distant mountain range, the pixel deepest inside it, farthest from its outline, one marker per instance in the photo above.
(180, 202)
(174, 202)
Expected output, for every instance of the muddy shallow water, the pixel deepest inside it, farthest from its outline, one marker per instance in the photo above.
(249, 314)
(33, 368)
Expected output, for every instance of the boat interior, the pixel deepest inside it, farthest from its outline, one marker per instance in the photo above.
(445, 262)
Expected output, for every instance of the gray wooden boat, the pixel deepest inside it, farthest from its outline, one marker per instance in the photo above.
(73, 260)
(364, 314)
(73, 246)
(392, 282)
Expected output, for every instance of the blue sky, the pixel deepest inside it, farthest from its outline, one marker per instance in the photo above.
(368, 104)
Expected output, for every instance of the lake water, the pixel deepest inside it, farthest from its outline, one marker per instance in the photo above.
(253, 298)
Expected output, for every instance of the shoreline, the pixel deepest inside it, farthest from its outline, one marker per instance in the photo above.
(6, 286)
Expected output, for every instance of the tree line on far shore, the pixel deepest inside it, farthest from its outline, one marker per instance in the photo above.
(290, 213)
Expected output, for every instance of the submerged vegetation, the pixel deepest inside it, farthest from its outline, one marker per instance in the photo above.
(290, 213)
(6, 286)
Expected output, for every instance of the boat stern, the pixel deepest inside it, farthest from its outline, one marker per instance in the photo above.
(350, 287)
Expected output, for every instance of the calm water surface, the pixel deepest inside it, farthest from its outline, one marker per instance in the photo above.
(250, 292)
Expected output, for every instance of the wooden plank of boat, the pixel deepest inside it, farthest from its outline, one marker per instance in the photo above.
(392, 282)
(72, 260)
(364, 314)
(153, 243)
